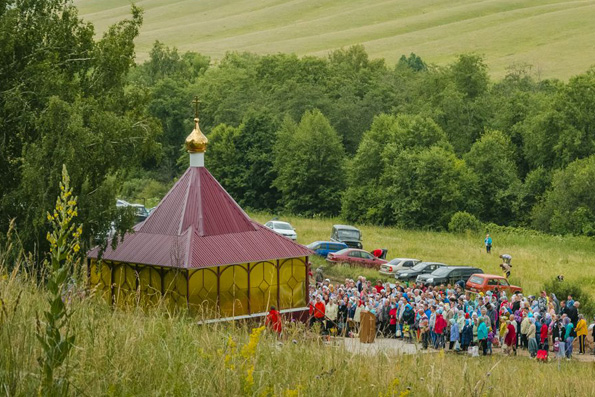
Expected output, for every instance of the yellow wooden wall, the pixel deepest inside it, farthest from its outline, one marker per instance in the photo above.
(230, 290)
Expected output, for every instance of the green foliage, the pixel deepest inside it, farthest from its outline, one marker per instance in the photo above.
(241, 159)
(63, 272)
(491, 158)
(309, 160)
(569, 205)
(65, 101)
(462, 222)
(428, 187)
(413, 62)
(573, 288)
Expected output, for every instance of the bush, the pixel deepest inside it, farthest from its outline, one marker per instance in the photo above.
(564, 288)
(463, 221)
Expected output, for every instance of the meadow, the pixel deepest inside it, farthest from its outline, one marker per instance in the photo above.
(129, 352)
(555, 36)
(537, 258)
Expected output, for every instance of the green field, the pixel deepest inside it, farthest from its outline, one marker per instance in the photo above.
(555, 36)
(537, 258)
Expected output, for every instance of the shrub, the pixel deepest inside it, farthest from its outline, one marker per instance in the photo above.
(463, 221)
(564, 288)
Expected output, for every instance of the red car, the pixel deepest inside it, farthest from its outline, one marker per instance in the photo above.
(489, 282)
(355, 257)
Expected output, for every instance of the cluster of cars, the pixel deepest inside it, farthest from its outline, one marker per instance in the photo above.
(345, 247)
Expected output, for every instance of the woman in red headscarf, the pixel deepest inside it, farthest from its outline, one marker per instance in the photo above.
(273, 320)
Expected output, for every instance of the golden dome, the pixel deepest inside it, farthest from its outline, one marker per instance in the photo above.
(196, 142)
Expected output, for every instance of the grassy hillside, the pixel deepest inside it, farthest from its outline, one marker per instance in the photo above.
(536, 258)
(556, 36)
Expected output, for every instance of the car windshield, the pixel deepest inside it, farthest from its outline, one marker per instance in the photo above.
(282, 226)
(476, 280)
(442, 271)
(342, 252)
(349, 234)
(420, 266)
(312, 246)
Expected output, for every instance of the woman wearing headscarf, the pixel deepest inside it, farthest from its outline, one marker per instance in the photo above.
(466, 335)
(533, 345)
(581, 333)
(510, 338)
(543, 333)
(482, 336)
(568, 336)
(454, 333)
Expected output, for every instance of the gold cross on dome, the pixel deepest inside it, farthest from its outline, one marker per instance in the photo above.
(196, 102)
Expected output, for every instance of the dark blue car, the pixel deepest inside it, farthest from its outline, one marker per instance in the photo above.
(323, 248)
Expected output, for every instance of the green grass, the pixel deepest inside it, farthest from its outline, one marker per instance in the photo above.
(537, 258)
(555, 36)
(131, 353)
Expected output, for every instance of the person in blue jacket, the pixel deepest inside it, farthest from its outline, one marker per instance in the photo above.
(482, 336)
(488, 243)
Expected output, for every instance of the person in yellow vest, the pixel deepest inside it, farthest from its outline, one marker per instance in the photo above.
(581, 333)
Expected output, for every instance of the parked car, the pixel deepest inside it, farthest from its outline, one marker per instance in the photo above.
(139, 209)
(394, 265)
(489, 282)
(348, 235)
(420, 268)
(283, 228)
(323, 248)
(448, 274)
(355, 257)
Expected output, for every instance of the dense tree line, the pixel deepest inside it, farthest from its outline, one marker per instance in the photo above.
(408, 144)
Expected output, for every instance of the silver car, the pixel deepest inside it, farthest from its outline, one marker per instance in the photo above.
(393, 266)
(283, 228)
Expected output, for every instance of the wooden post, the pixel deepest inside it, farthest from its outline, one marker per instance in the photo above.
(248, 291)
(278, 286)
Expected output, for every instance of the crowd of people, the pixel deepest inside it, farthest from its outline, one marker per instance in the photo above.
(448, 317)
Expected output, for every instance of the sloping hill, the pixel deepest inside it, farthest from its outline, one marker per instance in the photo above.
(557, 37)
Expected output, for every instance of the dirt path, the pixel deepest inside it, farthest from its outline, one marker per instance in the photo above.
(397, 346)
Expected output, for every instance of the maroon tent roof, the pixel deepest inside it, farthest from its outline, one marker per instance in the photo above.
(198, 224)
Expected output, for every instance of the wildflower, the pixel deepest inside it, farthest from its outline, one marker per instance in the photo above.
(249, 349)
(76, 247)
(292, 392)
(249, 379)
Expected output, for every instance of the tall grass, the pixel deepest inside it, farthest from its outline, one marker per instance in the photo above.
(133, 352)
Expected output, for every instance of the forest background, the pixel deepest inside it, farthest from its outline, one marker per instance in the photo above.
(409, 144)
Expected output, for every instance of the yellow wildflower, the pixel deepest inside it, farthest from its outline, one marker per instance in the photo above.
(249, 349)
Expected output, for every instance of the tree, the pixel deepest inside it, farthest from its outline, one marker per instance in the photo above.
(65, 101)
(427, 187)
(568, 206)
(492, 159)
(309, 161)
(365, 199)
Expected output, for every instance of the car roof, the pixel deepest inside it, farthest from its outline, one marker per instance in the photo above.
(404, 259)
(287, 223)
(483, 275)
(328, 242)
(463, 267)
(434, 263)
(345, 227)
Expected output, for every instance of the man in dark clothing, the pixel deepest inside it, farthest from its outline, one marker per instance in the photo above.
(572, 312)
(342, 318)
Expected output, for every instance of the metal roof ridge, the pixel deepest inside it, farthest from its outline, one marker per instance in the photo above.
(185, 204)
(235, 206)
